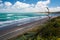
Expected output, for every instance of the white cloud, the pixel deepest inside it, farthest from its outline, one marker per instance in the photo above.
(20, 5)
(55, 9)
(24, 7)
(39, 7)
(7, 4)
(42, 4)
(1, 4)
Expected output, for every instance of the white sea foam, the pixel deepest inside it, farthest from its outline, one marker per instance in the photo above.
(10, 14)
(21, 21)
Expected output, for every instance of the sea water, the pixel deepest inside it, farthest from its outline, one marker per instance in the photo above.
(12, 18)
(16, 16)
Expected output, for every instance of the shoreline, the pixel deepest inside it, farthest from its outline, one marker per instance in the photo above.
(20, 30)
(20, 21)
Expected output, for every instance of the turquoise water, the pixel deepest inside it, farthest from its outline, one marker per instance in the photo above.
(16, 16)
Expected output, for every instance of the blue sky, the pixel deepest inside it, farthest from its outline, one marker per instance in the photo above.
(29, 5)
(53, 3)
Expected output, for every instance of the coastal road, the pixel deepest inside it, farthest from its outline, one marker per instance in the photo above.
(16, 29)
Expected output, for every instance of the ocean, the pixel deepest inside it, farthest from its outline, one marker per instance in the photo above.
(22, 18)
(16, 16)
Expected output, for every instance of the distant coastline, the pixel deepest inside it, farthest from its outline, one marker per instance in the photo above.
(30, 12)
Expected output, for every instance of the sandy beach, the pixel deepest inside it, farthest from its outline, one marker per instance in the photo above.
(15, 31)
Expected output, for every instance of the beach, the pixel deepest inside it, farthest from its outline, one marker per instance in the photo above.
(18, 30)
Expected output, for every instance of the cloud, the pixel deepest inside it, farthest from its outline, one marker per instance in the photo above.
(20, 5)
(1, 4)
(40, 6)
(7, 4)
(55, 9)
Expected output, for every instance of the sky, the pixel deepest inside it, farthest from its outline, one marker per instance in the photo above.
(29, 5)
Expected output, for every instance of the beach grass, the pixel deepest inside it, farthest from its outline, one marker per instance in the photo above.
(50, 31)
